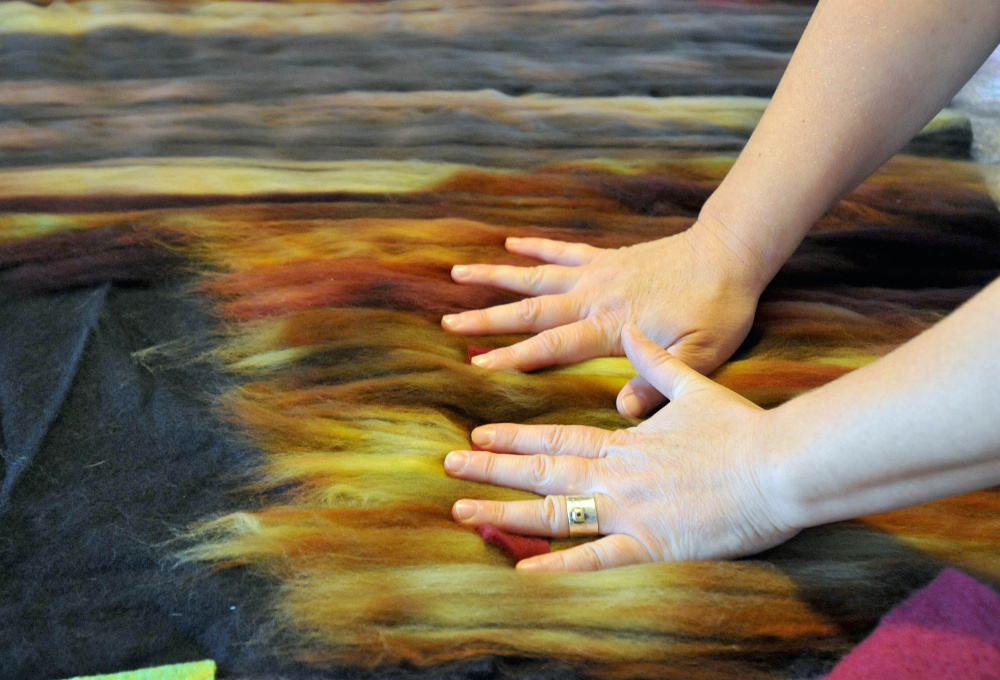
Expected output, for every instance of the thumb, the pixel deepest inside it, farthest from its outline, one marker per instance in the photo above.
(661, 369)
(639, 397)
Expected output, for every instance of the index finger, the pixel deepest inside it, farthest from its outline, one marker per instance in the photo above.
(556, 252)
(531, 314)
(551, 440)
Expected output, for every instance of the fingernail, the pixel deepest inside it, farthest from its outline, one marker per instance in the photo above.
(466, 509)
(484, 436)
(459, 271)
(456, 461)
(529, 565)
(632, 406)
(483, 360)
(513, 240)
(451, 321)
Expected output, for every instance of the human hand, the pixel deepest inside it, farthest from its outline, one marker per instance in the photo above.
(692, 293)
(694, 482)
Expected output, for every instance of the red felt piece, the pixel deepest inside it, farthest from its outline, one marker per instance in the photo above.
(516, 547)
(475, 351)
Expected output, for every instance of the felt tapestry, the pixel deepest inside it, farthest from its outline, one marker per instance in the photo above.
(225, 395)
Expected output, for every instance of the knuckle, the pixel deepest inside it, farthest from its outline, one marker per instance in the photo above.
(606, 448)
(541, 470)
(559, 559)
(481, 317)
(642, 388)
(533, 276)
(619, 442)
(505, 435)
(529, 310)
(486, 273)
(665, 361)
(649, 550)
(495, 513)
(506, 355)
(604, 332)
(554, 440)
(591, 325)
(549, 514)
(624, 437)
(485, 463)
(551, 343)
(591, 556)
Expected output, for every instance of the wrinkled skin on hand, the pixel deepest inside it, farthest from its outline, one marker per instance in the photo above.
(696, 481)
(689, 293)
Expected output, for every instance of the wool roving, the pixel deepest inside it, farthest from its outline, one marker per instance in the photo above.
(225, 236)
(330, 301)
(355, 394)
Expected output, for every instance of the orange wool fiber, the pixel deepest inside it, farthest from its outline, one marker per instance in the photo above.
(306, 174)
(353, 394)
(349, 283)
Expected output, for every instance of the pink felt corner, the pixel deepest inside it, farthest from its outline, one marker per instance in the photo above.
(949, 630)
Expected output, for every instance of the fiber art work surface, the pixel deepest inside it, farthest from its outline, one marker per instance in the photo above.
(225, 396)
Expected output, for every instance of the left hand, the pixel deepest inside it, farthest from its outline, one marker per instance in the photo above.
(695, 293)
(693, 482)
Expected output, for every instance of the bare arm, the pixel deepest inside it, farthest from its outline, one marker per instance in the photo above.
(866, 76)
(712, 476)
(919, 424)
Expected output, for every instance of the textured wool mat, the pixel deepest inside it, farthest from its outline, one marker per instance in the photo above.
(225, 396)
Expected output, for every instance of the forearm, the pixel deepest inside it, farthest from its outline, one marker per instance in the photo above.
(919, 424)
(866, 76)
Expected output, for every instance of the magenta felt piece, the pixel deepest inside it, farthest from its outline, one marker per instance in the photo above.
(949, 630)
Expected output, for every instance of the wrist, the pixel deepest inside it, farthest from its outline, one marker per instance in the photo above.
(810, 482)
(780, 472)
(764, 230)
(741, 263)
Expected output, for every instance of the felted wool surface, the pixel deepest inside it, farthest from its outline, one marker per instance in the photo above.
(225, 397)
(950, 629)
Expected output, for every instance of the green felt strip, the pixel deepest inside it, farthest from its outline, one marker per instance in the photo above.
(195, 670)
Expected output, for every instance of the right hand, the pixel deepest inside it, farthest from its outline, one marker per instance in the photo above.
(694, 293)
(702, 479)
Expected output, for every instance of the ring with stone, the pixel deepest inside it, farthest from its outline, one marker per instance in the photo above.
(582, 513)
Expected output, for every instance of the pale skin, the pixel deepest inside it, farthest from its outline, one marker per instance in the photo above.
(711, 475)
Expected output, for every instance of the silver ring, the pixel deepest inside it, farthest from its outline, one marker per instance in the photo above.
(582, 514)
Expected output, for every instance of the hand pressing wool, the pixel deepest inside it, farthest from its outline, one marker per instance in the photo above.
(711, 475)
